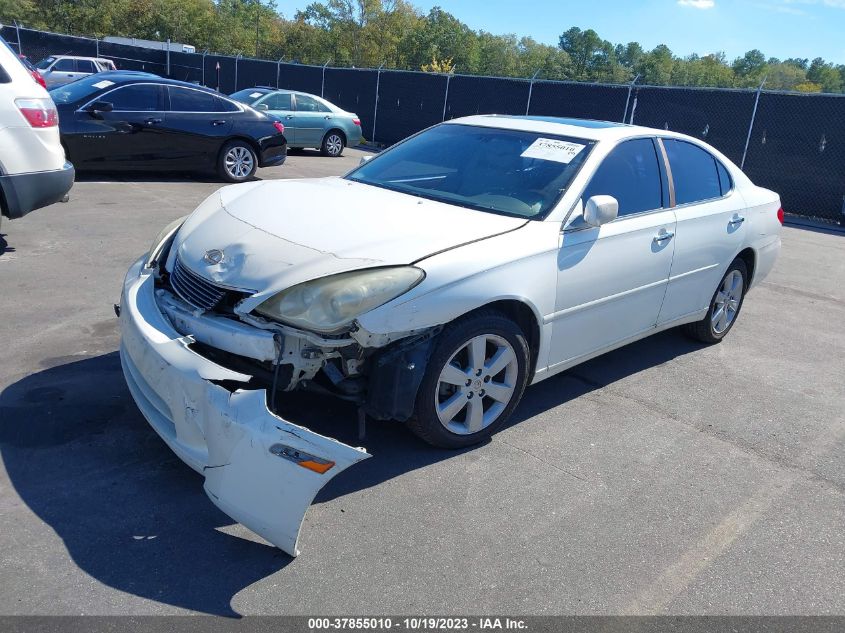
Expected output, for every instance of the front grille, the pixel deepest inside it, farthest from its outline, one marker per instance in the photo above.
(197, 291)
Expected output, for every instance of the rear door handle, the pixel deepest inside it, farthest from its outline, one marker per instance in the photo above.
(290, 116)
(218, 122)
(152, 121)
(663, 236)
(328, 116)
(736, 220)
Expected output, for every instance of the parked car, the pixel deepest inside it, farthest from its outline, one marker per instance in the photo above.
(33, 169)
(133, 120)
(58, 70)
(431, 285)
(310, 121)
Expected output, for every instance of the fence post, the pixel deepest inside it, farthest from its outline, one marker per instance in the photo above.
(168, 57)
(97, 42)
(375, 110)
(204, 53)
(18, 35)
(446, 96)
(751, 124)
(278, 70)
(323, 84)
(530, 90)
(236, 71)
(630, 88)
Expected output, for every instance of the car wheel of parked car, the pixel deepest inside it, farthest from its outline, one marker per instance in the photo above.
(724, 307)
(237, 162)
(332, 144)
(473, 382)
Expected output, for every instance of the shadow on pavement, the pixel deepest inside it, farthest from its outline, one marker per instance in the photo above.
(131, 515)
(4, 245)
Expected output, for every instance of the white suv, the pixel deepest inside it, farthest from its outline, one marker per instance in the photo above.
(33, 169)
(59, 70)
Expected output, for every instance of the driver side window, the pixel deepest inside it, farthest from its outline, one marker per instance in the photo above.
(631, 174)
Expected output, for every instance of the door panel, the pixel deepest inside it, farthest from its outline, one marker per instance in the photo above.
(710, 230)
(130, 136)
(611, 282)
(310, 121)
(196, 128)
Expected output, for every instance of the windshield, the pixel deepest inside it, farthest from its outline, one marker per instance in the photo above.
(248, 96)
(510, 172)
(80, 89)
(44, 63)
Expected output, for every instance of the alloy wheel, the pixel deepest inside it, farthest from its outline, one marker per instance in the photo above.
(726, 303)
(476, 384)
(239, 162)
(334, 145)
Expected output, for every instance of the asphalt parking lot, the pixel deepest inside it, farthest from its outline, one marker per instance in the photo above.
(666, 477)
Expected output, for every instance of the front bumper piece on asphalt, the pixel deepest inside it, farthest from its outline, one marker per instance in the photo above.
(259, 469)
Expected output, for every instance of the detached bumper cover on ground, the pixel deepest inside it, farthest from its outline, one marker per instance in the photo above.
(259, 469)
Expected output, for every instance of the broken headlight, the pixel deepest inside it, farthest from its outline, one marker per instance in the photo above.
(328, 303)
(162, 240)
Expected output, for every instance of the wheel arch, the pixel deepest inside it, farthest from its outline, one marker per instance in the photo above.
(240, 137)
(749, 257)
(338, 130)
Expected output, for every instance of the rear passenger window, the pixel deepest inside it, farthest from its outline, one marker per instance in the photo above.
(85, 66)
(187, 100)
(631, 174)
(694, 172)
(725, 181)
(308, 104)
(277, 101)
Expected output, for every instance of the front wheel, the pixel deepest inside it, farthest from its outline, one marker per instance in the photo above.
(237, 162)
(724, 306)
(332, 145)
(474, 380)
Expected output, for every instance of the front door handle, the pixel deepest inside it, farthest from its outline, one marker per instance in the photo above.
(152, 121)
(663, 236)
(736, 220)
(328, 116)
(218, 122)
(290, 116)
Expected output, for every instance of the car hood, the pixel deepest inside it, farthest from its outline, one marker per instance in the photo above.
(274, 234)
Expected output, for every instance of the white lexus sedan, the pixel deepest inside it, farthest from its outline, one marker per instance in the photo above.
(430, 285)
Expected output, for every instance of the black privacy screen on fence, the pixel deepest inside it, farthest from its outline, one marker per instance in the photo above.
(796, 147)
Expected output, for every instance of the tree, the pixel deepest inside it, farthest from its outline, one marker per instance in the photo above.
(750, 68)
(592, 58)
(825, 75)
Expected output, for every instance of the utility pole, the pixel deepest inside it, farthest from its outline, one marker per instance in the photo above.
(257, 22)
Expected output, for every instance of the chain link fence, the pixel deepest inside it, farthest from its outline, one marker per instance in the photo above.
(792, 143)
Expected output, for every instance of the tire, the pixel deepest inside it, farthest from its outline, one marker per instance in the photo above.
(719, 320)
(452, 359)
(237, 162)
(333, 144)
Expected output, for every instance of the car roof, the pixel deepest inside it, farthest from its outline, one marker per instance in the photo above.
(579, 128)
(96, 59)
(137, 76)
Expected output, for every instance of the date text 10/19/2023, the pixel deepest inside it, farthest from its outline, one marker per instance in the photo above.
(418, 623)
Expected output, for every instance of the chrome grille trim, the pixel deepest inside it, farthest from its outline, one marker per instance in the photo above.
(192, 288)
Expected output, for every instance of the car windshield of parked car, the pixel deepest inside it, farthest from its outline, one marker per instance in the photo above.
(79, 89)
(510, 172)
(45, 63)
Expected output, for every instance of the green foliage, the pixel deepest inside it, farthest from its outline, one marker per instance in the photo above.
(393, 33)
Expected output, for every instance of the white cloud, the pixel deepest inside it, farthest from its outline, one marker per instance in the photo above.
(698, 4)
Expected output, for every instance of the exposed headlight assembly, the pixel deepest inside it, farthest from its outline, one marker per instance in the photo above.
(329, 303)
(162, 241)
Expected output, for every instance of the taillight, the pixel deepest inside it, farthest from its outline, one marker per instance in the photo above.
(279, 126)
(38, 112)
(780, 215)
(38, 78)
(357, 122)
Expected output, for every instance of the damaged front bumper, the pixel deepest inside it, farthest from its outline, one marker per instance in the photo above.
(261, 470)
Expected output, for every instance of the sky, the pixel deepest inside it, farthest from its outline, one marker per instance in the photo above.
(779, 28)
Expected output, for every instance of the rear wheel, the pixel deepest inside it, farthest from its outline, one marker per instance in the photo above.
(237, 162)
(474, 380)
(332, 144)
(724, 306)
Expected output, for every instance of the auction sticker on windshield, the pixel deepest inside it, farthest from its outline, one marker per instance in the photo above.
(105, 83)
(552, 149)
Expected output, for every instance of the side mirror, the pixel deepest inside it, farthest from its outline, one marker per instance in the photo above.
(262, 107)
(365, 159)
(99, 106)
(600, 210)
